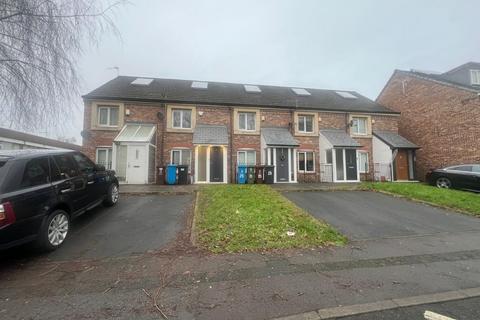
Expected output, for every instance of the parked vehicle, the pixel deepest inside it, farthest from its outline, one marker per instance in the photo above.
(465, 176)
(42, 191)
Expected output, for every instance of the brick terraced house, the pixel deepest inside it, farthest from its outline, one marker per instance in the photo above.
(135, 125)
(440, 112)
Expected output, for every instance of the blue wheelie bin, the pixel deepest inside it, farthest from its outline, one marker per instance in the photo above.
(172, 174)
(242, 174)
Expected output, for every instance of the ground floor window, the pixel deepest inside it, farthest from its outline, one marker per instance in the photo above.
(104, 157)
(306, 161)
(363, 161)
(328, 156)
(181, 157)
(246, 157)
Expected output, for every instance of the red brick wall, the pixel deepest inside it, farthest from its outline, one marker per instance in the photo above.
(443, 120)
(166, 141)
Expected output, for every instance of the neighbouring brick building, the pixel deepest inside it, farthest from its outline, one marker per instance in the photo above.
(135, 125)
(440, 112)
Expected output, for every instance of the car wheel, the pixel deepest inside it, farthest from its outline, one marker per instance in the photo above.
(112, 195)
(444, 183)
(54, 231)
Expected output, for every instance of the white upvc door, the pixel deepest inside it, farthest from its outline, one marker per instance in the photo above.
(137, 168)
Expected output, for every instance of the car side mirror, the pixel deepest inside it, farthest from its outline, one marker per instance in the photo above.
(99, 167)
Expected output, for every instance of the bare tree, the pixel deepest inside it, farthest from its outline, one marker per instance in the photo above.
(40, 42)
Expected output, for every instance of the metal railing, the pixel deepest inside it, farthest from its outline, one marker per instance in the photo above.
(106, 164)
(326, 172)
(382, 171)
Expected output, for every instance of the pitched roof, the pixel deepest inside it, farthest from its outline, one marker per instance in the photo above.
(394, 140)
(22, 136)
(278, 137)
(210, 134)
(232, 94)
(339, 138)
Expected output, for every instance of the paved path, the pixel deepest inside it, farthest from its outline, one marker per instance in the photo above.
(370, 215)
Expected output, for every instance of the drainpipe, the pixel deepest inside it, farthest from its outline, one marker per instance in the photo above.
(230, 137)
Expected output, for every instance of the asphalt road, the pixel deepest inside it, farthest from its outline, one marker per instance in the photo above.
(466, 309)
(137, 224)
(370, 215)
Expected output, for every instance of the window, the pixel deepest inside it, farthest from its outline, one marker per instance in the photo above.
(108, 116)
(247, 157)
(305, 123)
(246, 121)
(84, 164)
(476, 168)
(199, 85)
(104, 157)
(181, 157)
(306, 161)
(328, 156)
(251, 88)
(461, 168)
(363, 162)
(301, 92)
(475, 77)
(359, 125)
(36, 173)
(182, 118)
(66, 165)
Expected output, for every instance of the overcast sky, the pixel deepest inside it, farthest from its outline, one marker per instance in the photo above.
(335, 44)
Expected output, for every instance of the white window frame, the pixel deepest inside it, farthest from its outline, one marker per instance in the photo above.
(360, 167)
(305, 161)
(182, 112)
(305, 116)
(109, 152)
(475, 77)
(109, 120)
(181, 150)
(254, 114)
(356, 118)
(246, 157)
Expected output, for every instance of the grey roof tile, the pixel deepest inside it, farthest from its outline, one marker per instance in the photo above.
(210, 134)
(339, 138)
(232, 94)
(278, 137)
(394, 140)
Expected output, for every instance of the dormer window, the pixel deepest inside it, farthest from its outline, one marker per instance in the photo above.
(475, 77)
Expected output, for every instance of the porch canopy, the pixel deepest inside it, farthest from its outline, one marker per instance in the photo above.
(339, 138)
(136, 132)
(280, 137)
(394, 140)
(210, 135)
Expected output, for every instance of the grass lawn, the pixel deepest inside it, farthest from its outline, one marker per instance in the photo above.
(466, 202)
(234, 218)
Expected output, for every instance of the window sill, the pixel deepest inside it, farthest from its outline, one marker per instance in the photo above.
(106, 128)
(247, 132)
(306, 172)
(180, 130)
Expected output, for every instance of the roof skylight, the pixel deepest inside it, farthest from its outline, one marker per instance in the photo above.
(301, 92)
(142, 81)
(251, 88)
(346, 95)
(199, 85)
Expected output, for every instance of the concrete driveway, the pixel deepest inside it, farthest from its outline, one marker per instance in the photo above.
(370, 215)
(137, 224)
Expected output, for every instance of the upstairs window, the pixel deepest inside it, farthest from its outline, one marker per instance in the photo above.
(475, 77)
(305, 123)
(246, 121)
(108, 116)
(181, 118)
(359, 125)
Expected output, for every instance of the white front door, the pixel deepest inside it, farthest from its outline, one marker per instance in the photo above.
(136, 164)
